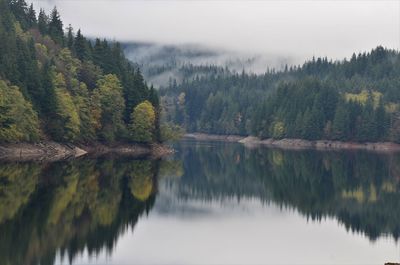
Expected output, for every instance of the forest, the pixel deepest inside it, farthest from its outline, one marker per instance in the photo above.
(56, 84)
(354, 99)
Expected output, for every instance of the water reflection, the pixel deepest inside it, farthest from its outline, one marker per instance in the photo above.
(70, 206)
(63, 209)
(360, 189)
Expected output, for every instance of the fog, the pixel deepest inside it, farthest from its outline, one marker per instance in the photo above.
(153, 54)
(288, 29)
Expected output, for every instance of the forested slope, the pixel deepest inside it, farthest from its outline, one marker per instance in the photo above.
(349, 100)
(57, 85)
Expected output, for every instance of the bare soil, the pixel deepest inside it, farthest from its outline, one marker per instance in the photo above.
(251, 141)
(52, 151)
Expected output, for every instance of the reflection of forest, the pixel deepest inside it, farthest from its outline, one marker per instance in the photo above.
(87, 204)
(70, 206)
(360, 189)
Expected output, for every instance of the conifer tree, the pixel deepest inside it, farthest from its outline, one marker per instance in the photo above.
(56, 30)
(31, 17)
(43, 22)
(80, 46)
(341, 122)
(70, 38)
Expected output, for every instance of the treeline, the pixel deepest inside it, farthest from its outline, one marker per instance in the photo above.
(350, 100)
(59, 85)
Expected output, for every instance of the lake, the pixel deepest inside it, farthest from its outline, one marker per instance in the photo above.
(209, 203)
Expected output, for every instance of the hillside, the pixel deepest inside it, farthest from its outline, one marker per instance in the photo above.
(162, 63)
(57, 85)
(349, 100)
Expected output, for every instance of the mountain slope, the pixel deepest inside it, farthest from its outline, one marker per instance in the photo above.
(61, 86)
(352, 100)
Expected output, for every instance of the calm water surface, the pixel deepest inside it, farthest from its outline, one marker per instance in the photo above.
(211, 203)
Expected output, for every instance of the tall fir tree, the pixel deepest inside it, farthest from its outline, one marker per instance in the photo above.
(43, 22)
(56, 30)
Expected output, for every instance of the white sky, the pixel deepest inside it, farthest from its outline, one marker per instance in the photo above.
(289, 28)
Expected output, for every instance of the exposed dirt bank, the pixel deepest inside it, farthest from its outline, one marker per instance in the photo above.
(213, 137)
(52, 151)
(298, 143)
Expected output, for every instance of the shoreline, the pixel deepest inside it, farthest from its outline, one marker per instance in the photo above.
(287, 143)
(50, 151)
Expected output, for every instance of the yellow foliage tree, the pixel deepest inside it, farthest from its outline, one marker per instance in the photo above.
(278, 130)
(68, 117)
(143, 122)
(108, 95)
(18, 120)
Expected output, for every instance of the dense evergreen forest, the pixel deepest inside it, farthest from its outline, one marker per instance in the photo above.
(56, 84)
(355, 99)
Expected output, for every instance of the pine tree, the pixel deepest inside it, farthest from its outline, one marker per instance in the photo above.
(20, 10)
(80, 46)
(70, 38)
(31, 17)
(155, 101)
(382, 121)
(341, 122)
(56, 31)
(43, 22)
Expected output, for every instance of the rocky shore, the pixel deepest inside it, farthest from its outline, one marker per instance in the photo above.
(251, 141)
(213, 137)
(52, 151)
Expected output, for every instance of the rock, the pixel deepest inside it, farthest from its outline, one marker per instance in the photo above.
(288, 143)
(52, 151)
(79, 152)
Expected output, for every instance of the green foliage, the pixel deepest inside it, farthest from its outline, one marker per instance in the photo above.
(320, 99)
(278, 130)
(341, 123)
(75, 90)
(363, 97)
(171, 132)
(67, 122)
(18, 120)
(109, 93)
(143, 122)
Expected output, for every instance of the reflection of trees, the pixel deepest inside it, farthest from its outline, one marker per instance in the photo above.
(68, 207)
(141, 179)
(171, 168)
(17, 183)
(360, 189)
(224, 171)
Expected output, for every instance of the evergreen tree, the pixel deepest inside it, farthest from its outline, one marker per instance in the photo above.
(31, 17)
(70, 38)
(341, 121)
(55, 25)
(80, 46)
(20, 10)
(63, 89)
(381, 121)
(43, 21)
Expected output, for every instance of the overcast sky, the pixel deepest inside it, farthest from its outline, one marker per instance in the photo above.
(290, 28)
